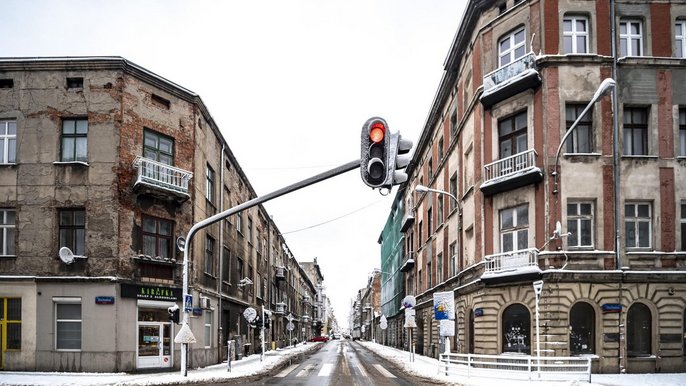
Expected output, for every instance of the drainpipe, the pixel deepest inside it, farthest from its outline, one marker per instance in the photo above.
(616, 175)
(220, 337)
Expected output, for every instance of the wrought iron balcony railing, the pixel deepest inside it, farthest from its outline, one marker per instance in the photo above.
(523, 260)
(511, 165)
(162, 176)
(509, 71)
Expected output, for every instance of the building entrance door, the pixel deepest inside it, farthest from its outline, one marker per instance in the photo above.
(154, 344)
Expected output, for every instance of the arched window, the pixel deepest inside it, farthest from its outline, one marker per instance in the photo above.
(639, 330)
(582, 329)
(516, 328)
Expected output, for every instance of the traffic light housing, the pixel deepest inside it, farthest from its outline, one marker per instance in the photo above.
(382, 154)
(174, 313)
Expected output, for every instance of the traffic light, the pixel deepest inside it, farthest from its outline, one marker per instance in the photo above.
(374, 148)
(173, 313)
(266, 321)
(382, 155)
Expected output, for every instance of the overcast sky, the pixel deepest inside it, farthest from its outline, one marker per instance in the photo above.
(289, 83)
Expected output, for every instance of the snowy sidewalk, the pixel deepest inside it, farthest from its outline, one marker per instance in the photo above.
(248, 366)
(427, 367)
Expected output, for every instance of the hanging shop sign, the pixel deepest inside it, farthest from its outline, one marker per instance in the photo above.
(149, 292)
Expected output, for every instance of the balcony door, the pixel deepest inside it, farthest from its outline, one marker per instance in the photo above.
(512, 135)
(159, 148)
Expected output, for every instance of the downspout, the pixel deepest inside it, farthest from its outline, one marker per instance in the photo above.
(616, 175)
(220, 337)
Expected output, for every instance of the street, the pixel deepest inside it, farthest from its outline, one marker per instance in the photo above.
(340, 362)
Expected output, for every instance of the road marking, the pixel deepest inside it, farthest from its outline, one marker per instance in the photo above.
(326, 370)
(384, 372)
(306, 370)
(364, 373)
(286, 371)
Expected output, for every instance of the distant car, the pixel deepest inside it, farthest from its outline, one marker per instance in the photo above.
(319, 339)
(336, 336)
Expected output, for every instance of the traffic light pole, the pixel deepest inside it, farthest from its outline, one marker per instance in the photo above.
(248, 204)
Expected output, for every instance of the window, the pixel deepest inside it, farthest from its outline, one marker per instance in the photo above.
(226, 266)
(8, 231)
(73, 230)
(514, 228)
(160, 102)
(680, 39)
(516, 328)
(630, 38)
(582, 329)
(209, 255)
(512, 135)
(512, 47)
(683, 227)
(157, 237)
(429, 221)
(682, 132)
(8, 141)
(249, 229)
(6, 83)
(239, 223)
(208, 328)
(158, 147)
(439, 268)
(639, 330)
(453, 124)
(74, 140)
(10, 321)
(637, 219)
(453, 259)
(239, 269)
(635, 131)
(209, 184)
(439, 219)
(580, 224)
(428, 274)
(575, 35)
(453, 191)
(67, 323)
(580, 141)
(440, 150)
(419, 240)
(75, 82)
(431, 169)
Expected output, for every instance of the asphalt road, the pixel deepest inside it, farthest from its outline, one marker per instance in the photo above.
(339, 362)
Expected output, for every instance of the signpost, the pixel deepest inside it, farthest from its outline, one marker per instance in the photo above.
(290, 327)
(410, 301)
(383, 324)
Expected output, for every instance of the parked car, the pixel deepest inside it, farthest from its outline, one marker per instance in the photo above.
(319, 339)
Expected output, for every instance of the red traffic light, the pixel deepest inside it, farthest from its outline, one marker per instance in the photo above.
(377, 132)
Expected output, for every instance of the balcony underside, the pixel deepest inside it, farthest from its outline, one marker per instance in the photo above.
(526, 177)
(143, 188)
(526, 80)
(509, 276)
(407, 266)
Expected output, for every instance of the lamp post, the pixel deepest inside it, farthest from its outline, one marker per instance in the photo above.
(538, 289)
(605, 86)
(425, 189)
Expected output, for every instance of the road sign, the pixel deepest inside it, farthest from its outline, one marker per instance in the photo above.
(290, 326)
(383, 323)
(188, 303)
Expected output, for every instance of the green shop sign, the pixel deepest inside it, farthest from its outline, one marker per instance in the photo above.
(150, 292)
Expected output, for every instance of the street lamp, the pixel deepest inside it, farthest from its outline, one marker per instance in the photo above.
(538, 289)
(605, 86)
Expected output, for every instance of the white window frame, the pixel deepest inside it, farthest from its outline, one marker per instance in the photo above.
(208, 328)
(682, 223)
(515, 229)
(629, 38)
(680, 38)
(6, 139)
(579, 219)
(682, 132)
(574, 35)
(63, 301)
(5, 229)
(210, 246)
(510, 53)
(636, 220)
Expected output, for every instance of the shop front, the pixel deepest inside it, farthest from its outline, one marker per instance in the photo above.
(154, 331)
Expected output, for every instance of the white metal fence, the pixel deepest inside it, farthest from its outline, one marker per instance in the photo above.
(521, 367)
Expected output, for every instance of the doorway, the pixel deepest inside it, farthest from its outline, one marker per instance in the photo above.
(154, 345)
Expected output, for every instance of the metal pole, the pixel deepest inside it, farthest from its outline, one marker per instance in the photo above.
(248, 204)
(262, 337)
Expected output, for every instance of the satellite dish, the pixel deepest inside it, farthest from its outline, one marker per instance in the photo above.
(181, 243)
(66, 255)
(558, 229)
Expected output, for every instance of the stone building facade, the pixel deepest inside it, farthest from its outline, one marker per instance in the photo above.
(603, 225)
(104, 166)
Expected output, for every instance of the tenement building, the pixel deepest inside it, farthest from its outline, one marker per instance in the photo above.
(554, 154)
(104, 168)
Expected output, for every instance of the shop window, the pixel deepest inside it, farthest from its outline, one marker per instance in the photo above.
(582, 329)
(516, 329)
(639, 331)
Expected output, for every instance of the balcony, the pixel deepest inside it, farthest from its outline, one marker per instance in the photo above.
(510, 173)
(511, 266)
(280, 273)
(510, 80)
(161, 180)
(408, 264)
(407, 222)
(280, 308)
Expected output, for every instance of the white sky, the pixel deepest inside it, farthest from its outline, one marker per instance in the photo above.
(289, 83)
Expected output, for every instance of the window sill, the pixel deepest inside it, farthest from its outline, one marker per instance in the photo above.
(582, 154)
(81, 163)
(642, 156)
(8, 164)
